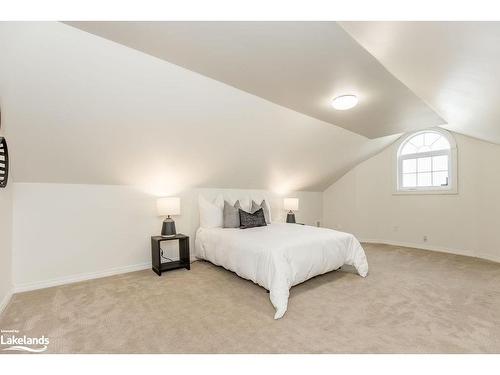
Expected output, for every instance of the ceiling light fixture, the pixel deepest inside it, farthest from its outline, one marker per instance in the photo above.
(344, 102)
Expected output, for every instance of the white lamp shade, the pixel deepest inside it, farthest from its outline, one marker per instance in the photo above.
(291, 204)
(168, 206)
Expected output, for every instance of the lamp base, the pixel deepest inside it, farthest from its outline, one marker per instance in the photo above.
(290, 217)
(168, 228)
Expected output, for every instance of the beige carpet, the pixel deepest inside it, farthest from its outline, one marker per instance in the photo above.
(413, 301)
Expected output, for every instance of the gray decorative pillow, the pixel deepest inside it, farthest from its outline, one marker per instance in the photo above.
(231, 216)
(248, 220)
(263, 205)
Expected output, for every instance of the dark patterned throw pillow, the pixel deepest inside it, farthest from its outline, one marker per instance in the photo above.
(248, 220)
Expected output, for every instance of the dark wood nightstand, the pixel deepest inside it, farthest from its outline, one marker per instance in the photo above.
(184, 260)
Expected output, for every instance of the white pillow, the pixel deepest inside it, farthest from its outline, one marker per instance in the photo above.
(245, 203)
(211, 213)
(268, 204)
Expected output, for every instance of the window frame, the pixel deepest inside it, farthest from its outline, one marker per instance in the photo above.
(451, 188)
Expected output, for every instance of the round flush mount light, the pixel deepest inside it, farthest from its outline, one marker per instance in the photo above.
(344, 102)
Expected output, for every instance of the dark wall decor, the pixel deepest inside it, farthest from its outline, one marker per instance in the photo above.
(4, 159)
(4, 163)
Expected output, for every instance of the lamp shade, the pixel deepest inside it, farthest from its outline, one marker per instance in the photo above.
(291, 204)
(168, 206)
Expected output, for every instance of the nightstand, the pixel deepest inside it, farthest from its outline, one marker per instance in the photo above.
(184, 260)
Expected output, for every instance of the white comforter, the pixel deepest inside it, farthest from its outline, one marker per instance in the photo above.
(280, 255)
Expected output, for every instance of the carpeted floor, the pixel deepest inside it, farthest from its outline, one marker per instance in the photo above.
(413, 301)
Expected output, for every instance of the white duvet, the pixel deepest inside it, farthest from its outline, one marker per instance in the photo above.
(280, 255)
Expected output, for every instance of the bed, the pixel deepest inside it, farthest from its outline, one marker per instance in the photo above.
(280, 255)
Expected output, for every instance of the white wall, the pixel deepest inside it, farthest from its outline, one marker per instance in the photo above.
(362, 202)
(68, 232)
(5, 243)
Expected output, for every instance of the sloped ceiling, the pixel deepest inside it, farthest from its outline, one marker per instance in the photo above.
(453, 66)
(299, 65)
(82, 109)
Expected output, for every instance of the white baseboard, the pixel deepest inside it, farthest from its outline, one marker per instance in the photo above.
(492, 257)
(5, 301)
(80, 277)
(440, 249)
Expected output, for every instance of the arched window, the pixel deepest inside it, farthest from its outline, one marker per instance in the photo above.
(426, 162)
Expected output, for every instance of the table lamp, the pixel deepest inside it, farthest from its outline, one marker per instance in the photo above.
(291, 204)
(169, 206)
